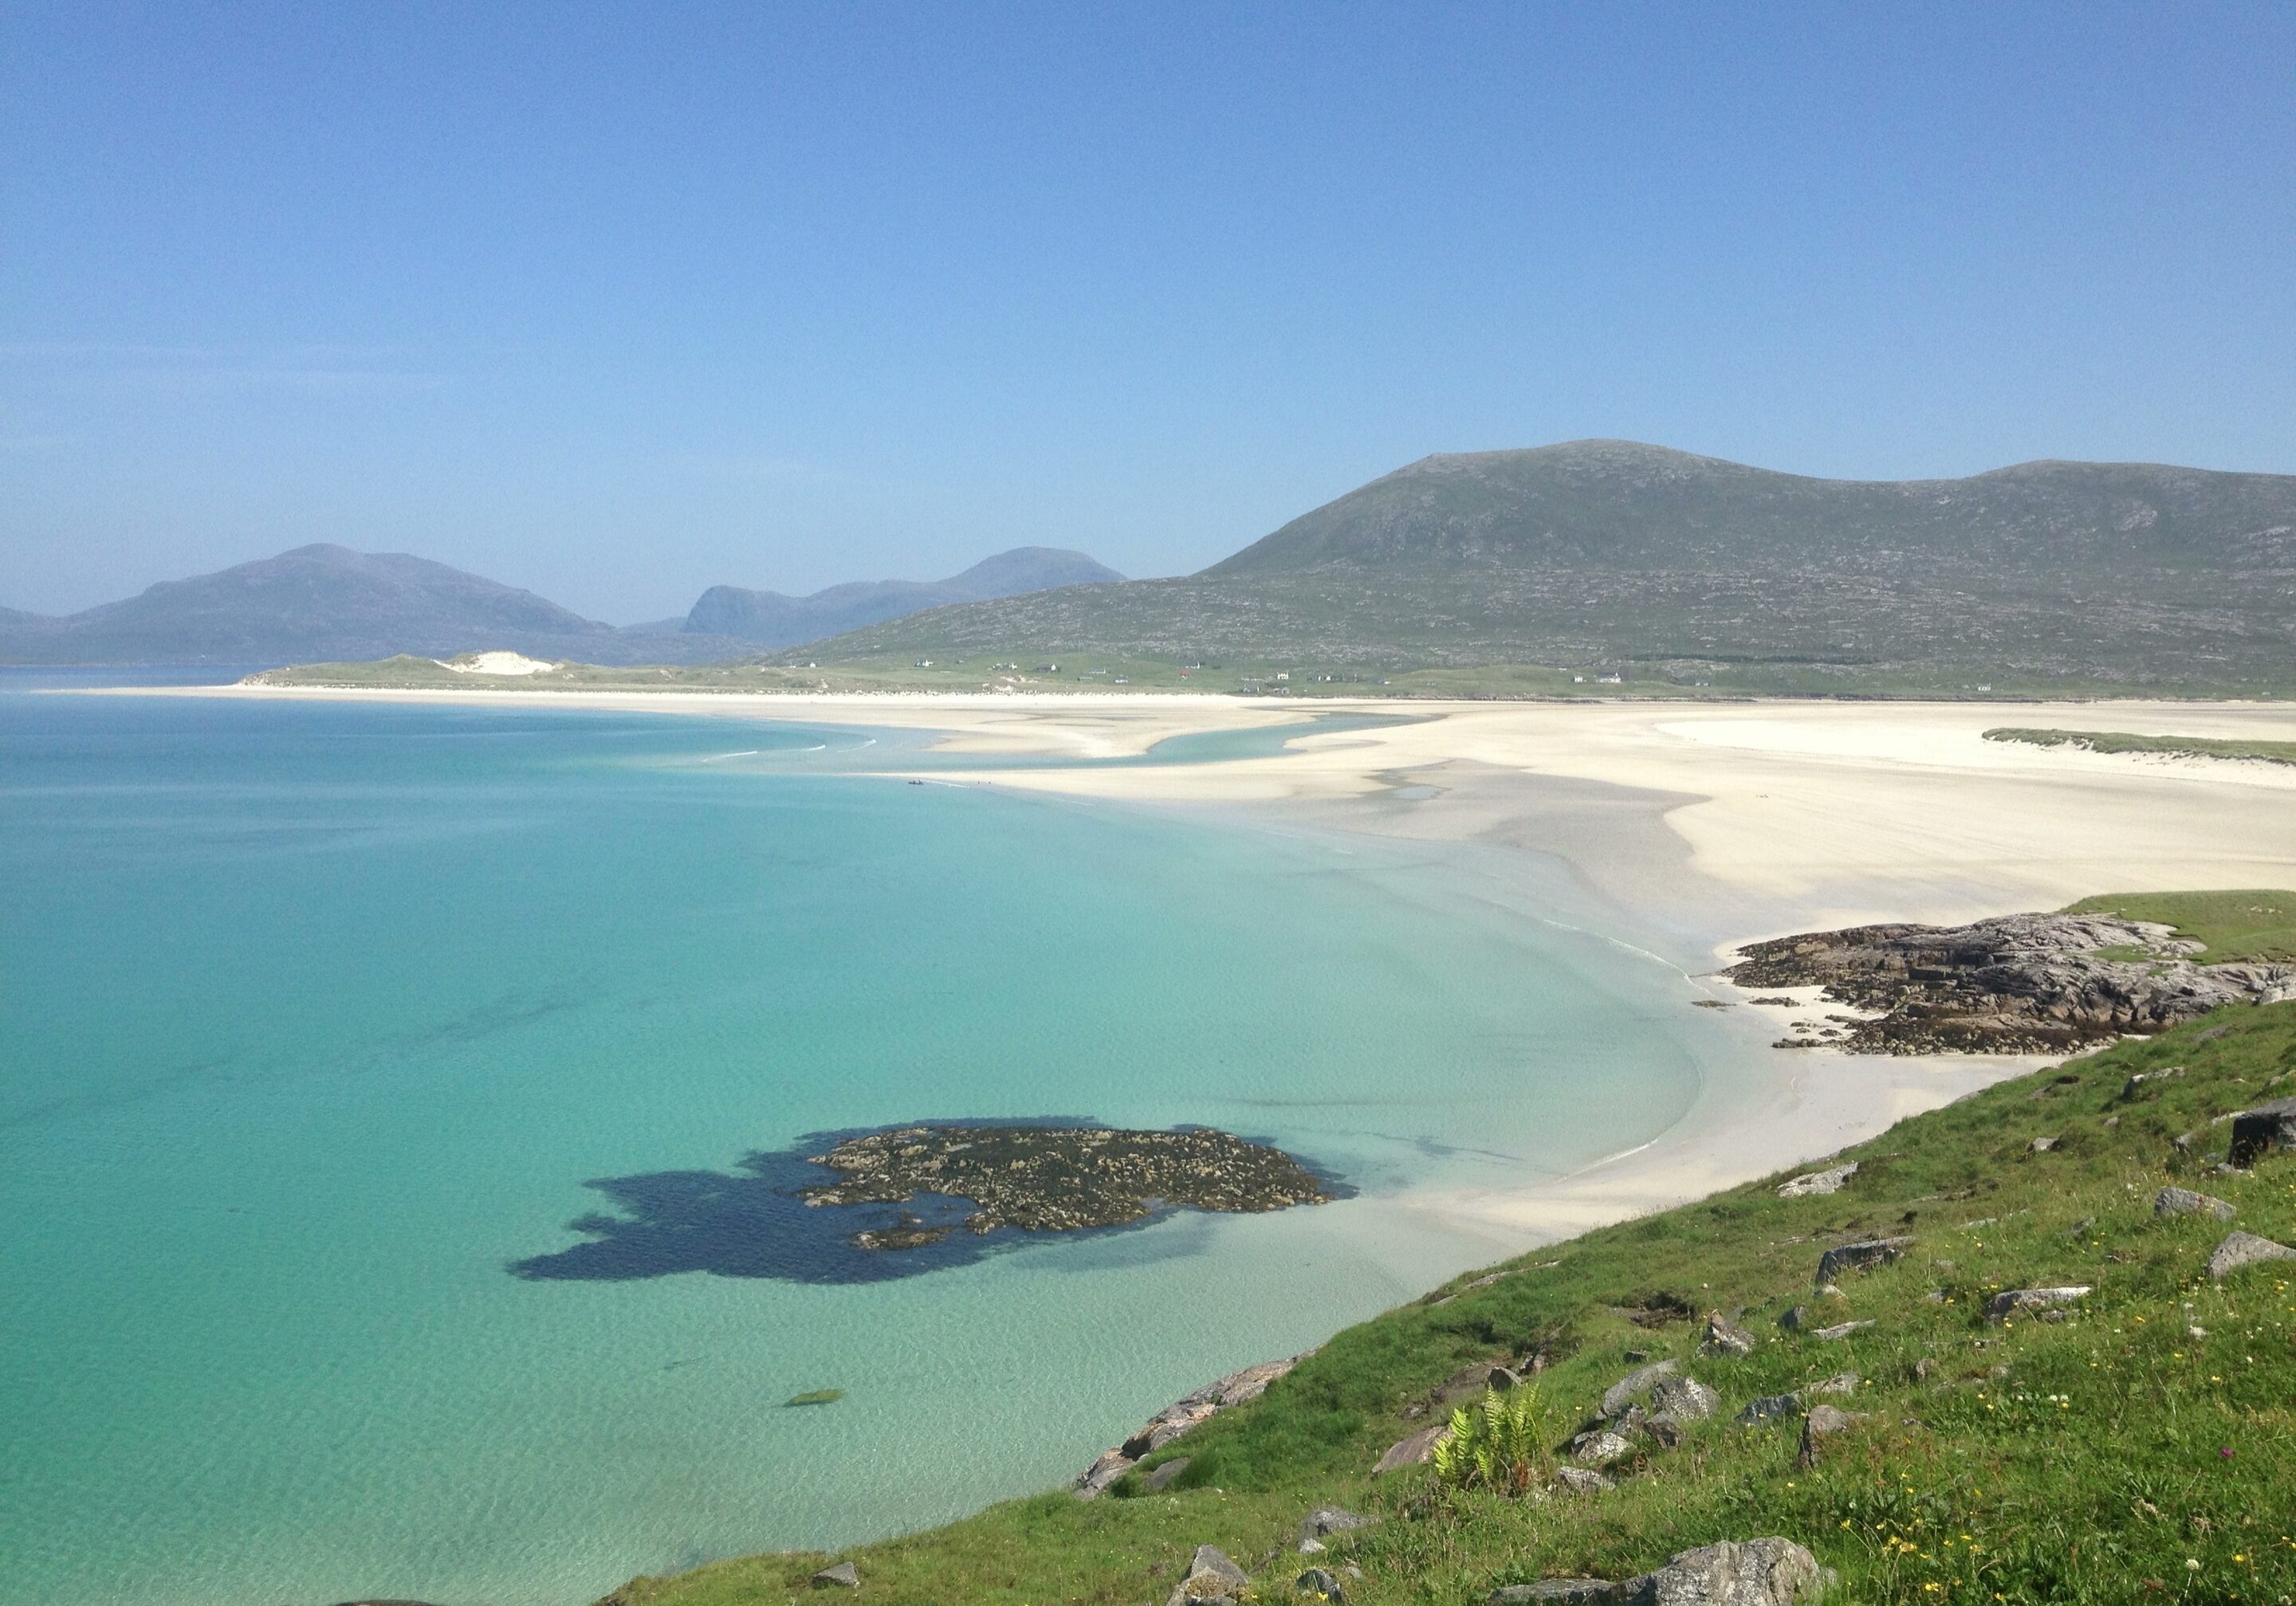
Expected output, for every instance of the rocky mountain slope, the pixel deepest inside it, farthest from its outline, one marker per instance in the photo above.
(325, 604)
(767, 619)
(1612, 552)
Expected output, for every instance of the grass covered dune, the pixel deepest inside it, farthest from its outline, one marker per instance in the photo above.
(2141, 1448)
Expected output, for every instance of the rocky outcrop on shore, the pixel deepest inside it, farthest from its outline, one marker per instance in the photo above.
(2019, 984)
(1052, 1179)
(1180, 1417)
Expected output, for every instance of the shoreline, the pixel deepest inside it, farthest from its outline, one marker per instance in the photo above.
(1687, 829)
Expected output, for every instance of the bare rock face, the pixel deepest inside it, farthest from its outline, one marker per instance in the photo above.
(2183, 1201)
(2258, 1132)
(2245, 1248)
(2021, 983)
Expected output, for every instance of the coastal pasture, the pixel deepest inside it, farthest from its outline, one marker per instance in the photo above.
(2140, 1449)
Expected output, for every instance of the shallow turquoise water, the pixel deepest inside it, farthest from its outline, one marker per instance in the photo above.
(315, 1017)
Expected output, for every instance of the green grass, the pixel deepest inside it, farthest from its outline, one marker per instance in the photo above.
(2258, 925)
(2032, 1463)
(2126, 741)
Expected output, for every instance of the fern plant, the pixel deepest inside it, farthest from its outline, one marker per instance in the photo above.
(1498, 1444)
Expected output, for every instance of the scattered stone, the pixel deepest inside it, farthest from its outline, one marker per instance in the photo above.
(1822, 1424)
(1582, 1480)
(1485, 1281)
(1686, 1399)
(1828, 1181)
(1756, 1572)
(2258, 1132)
(1841, 1383)
(2183, 1201)
(843, 1575)
(1634, 1384)
(1796, 1319)
(1662, 1431)
(2010, 1302)
(1859, 1257)
(1413, 1451)
(1599, 1447)
(2245, 1249)
(2021, 983)
(1840, 1330)
(1236, 1389)
(1500, 1378)
(1160, 1479)
(1325, 1521)
(2080, 1227)
(1111, 1465)
(1317, 1582)
(1725, 1338)
(2144, 1078)
(2042, 1145)
(1767, 1409)
(1211, 1577)
(1558, 1592)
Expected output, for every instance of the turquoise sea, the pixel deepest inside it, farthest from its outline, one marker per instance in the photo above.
(316, 1021)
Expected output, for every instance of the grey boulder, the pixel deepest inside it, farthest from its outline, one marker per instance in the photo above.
(1411, 1452)
(2183, 1201)
(1634, 1385)
(1822, 1424)
(1757, 1572)
(1159, 1479)
(1325, 1521)
(1859, 1257)
(1725, 1338)
(1828, 1181)
(2014, 1301)
(1684, 1399)
(843, 1575)
(2256, 1133)
(1212, 1576)
(1320, 1584)
(2245, 1248)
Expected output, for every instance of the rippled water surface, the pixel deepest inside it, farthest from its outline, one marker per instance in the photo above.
(315, 1019)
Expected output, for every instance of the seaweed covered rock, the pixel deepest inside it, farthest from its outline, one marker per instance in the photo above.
(2019, 984)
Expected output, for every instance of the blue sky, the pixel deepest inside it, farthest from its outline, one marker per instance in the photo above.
(616, 301)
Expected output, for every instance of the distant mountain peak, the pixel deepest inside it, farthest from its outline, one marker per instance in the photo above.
(769, 619)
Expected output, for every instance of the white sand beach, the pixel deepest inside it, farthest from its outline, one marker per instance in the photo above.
(1719, 823)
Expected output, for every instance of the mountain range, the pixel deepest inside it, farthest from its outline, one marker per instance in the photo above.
(325, 602)
(1616, 553)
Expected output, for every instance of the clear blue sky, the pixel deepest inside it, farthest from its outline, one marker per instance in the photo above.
(615, 301)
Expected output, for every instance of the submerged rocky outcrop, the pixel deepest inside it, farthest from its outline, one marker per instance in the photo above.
(2019, 984)
(1052, 1179)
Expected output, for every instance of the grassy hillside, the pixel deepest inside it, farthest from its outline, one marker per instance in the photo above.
(2142, 1449)
(1609, 555)
(2260, 924)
